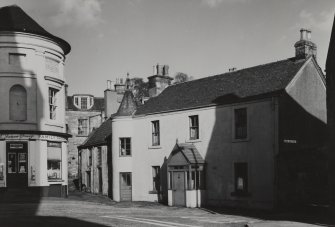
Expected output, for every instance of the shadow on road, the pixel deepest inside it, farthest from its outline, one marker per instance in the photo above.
(308, 215)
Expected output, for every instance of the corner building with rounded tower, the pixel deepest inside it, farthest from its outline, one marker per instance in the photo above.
(33, 138)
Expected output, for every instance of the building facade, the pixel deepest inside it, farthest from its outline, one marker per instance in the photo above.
(94, 154)
(33, 138)
(226, 139)
(93, 159)
(84, 113)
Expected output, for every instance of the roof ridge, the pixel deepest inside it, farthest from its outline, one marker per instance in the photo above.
(239, 70)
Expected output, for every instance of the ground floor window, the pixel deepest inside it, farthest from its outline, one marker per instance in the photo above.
(156, 182)
(54, 157)
(241, 177)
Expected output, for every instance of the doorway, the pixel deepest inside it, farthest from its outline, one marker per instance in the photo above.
(17, 165)
(179, 188)
(125, 187)
(100, 180)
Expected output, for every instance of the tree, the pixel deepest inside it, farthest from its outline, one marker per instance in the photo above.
(140, 88)
(181, 77)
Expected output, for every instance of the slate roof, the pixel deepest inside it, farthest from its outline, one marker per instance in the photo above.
(190, 152)
(13, 18)
(98, 136)
(99, 104)
(128, 104)
(225, 88)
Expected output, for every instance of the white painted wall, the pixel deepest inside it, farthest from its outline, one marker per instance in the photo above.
(216, 145)
(31, 73)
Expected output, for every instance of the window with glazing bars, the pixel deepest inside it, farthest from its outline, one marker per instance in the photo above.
(52, 103)
(125, 146)
(83, 103)
(241, 129)
(83, 127)
(155, 133)
(194, 127)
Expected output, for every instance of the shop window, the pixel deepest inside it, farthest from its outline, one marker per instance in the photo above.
(241, 177)
(82, 127)
(155, 133)
(241, 129)
(125, 146)
(11, 163)
(54, 157)
(53, 103)
(194, 127)
(156, 178)
(22, 162)
(17, 103)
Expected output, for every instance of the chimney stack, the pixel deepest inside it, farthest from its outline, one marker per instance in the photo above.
(305, 47)
(159, 81)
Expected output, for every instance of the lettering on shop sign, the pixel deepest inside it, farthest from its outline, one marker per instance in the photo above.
(290, 141)
(16, 146)
(30, 136)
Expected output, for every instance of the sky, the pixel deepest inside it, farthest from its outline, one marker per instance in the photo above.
(198, 37)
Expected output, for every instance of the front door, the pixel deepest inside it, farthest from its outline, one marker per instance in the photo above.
(179, 188)
(125, 186)
(100, 180)
(17, 165)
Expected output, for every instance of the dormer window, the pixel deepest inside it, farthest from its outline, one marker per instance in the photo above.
(83, 102)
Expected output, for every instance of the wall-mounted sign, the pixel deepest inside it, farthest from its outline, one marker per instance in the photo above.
(31, 137)
(16, 146)
(290, 141)
(54, 144)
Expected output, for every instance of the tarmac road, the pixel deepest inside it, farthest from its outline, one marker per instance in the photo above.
(96, 211)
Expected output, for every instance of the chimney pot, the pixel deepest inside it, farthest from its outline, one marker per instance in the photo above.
(305, 47)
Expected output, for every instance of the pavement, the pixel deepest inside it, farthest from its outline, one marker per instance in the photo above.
(83, 209)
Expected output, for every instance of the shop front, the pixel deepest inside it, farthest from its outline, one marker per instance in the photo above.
(35, 163)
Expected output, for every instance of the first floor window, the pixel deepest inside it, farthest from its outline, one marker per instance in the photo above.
(156, 182)
(52, 103)
(125, 146)
(241, 177)
(155, 133)
(194, 127)
(54, 157)
(240, 116)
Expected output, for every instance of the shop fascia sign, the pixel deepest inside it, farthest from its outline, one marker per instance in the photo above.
(30, 137)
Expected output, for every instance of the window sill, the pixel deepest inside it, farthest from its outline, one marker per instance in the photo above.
(240, 140)
(155, 147)
(81, 135)
(125, 156)
(193, 141)
(153, 192)
(55, 180)
(241, 194)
